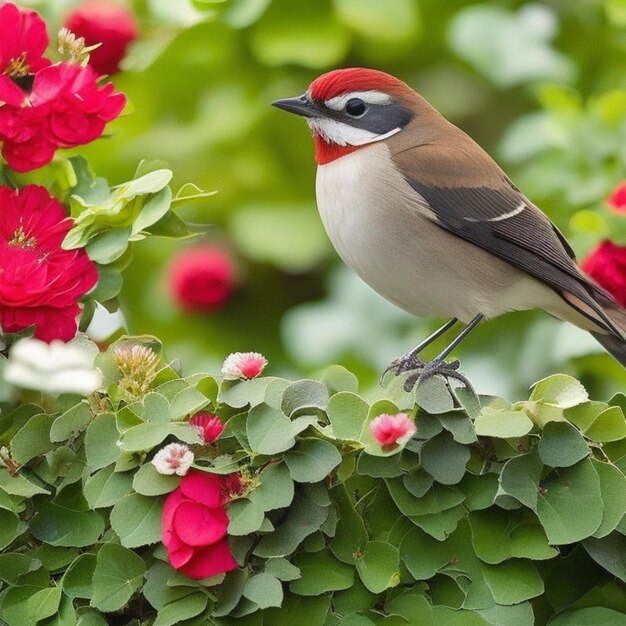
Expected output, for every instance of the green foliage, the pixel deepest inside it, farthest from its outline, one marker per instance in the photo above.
(470, 521)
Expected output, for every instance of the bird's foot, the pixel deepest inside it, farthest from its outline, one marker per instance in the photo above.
(408, 363)
(437, 367)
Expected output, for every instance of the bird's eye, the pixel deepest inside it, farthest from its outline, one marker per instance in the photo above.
(355, 107)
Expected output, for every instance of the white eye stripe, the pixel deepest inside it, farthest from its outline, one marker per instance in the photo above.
(338, 103)
(344, 134)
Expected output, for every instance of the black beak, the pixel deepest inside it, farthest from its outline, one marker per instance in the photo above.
(300, 106)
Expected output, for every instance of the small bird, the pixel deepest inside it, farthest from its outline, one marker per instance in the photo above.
(429, 220)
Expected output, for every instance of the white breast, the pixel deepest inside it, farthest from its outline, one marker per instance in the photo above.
(384, 230)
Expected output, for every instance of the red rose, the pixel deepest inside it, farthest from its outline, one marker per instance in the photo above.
(617, 199)
(40, 282)
(201, 278)
(607, 265)
(106, 23)
(194, 527)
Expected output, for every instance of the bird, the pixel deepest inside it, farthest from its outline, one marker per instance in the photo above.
(431, 222)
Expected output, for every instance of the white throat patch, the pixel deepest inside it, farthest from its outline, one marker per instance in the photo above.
(342, 134)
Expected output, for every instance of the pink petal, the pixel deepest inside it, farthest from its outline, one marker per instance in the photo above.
(198, 525)
(202, 487)
(210, 561)
(178, 552)
(169, 508)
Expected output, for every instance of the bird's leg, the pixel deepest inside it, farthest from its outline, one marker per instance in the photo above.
(410, 360)
(439, 366)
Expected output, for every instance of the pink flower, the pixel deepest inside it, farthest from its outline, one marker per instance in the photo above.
(40, 283)
(202, 278)
(392, 430)
(107, 23)
(617, 199)
(175, 458)
(207, 425)
(607, 265)
(243, 365)
(194, 527)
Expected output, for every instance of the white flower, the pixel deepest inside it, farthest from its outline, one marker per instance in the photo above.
(175, 458)
(243, 365)
(54, 368)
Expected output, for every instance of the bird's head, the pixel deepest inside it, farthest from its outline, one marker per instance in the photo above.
(351, 108)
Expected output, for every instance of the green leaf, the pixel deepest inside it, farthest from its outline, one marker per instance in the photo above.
(561, 445)
(320, 572)
(148, 482)
(569, 506)
(559, 390)
(304, 394)
(13, 565)
(183, 603)
(245, 517)
(303, 518)
(610, 553)
(504, 424)
(70, 423)
(513, 582)
(445, 616)
(337, 378)
(43, 604)
(264, 590)
(312, 460)
(497, 536)
(609, 425)
(33, 439)
(137, 520)
(77, 581)
(444, 459)
(520, 478)
(101, 438)
(432, 395)
(269, 430)
(9, 523)
(350, 535)
(592, 616)
(347, 413)
(107, 487)
(613, 494)
(276, 488)
(282, 569)
(118, 574)
(378, 566)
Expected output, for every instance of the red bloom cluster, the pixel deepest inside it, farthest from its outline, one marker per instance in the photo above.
(194, 526)
(607, 265)
(106, 23)
(39, 281)
(207, 425)
(45, 106)
(202, 278)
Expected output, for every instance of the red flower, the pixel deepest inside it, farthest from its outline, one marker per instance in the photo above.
(194, 527)
(392, 430)
(40, 282)
(106, 23)
(23, 41)
(607, 265)
(201, 278)
(617, 199)
(208, 426)
(64, 109)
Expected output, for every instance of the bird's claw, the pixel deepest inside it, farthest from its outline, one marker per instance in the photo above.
(421, 371)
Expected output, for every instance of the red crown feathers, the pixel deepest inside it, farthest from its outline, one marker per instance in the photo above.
(338, 82)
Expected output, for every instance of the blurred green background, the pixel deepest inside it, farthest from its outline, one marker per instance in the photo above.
(542, 86)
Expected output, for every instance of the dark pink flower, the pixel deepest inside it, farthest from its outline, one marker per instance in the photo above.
(207, 425)
(607, 265)
(617, 199)
(243, 365)
(391, 430)
(194, 527)
(202, 278)
(40, 283)
(23, 41)
(110, 24)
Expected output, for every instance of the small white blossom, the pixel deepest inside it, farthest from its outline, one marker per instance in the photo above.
(175, 458)
(243, 365)
(54, 368)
